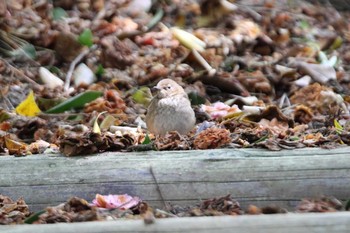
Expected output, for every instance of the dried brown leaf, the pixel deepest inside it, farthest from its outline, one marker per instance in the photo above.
(212, 138)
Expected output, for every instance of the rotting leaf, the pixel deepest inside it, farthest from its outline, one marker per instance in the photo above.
(107, 122)
(212, 138)
(28, 107)
(14, 147)
(77, 101)
(12, 212)
(172, 141)
(319, 72)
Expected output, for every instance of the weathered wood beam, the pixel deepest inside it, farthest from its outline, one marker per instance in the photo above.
(288, 223)
(252, 176)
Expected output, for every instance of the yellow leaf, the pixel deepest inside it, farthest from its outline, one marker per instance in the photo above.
(28, 107)
(188, 40)
(96, 127)
(107, 122)
(15, 147)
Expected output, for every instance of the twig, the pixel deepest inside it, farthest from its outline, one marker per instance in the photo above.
(158, 189)
(158, 211)
(251, 63)
(284, 100)
(151, 24)
(22, 75)
(73, 65)
(203, 62)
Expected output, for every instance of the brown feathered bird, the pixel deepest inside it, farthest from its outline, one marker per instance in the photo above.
(170, 110)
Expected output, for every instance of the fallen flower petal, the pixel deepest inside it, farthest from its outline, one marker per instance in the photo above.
(219, 109)
(122, 202)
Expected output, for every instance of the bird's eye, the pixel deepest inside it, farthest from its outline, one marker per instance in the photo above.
(167, 87)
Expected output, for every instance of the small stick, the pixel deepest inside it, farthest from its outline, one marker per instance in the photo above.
(24, 77)
(203, 62)
(158, 188)
(73, 65)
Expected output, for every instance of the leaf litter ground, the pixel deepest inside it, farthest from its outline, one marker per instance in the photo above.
(261, 74)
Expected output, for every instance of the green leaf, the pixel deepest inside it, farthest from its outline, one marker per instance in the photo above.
(58, 13)
(156, 18)
(196, 99)
(304, 24)
(54, 70)
(45, 103)
(263, 138)
(338, 128)
(147, 140)
(347, 205)
(294, 138)
(4, 115)
(337, 43)
(142, 96)
(77, 101)
(34, 217)
(27, 50)
(86, 38)
(99, 71)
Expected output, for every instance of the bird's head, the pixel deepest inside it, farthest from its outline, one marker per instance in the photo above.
(167, 88)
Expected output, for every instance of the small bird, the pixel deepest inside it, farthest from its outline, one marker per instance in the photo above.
(170, 110)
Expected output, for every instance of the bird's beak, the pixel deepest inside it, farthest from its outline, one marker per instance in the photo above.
(155, 90)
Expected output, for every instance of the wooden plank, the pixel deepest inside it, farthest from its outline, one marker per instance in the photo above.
(252, 176)
(288, 223)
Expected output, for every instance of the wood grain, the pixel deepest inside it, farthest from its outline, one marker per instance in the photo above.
(289, 223)
(252, 176)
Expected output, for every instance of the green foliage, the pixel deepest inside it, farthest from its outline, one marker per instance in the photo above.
(196, 99)
(45, 103)
(338, 128)
(86, 38)
(4, 115)
(347, 205)
(54, 69)
(100, 70)
(26, 50)
(337, 43)
(58, 13)
(156, 18)
(142, 96)
(34, 217)
(77, 101)
(304, 24)
(147, 140)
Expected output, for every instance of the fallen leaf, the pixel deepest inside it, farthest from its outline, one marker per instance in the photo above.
(77, 101)
(28, 107)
